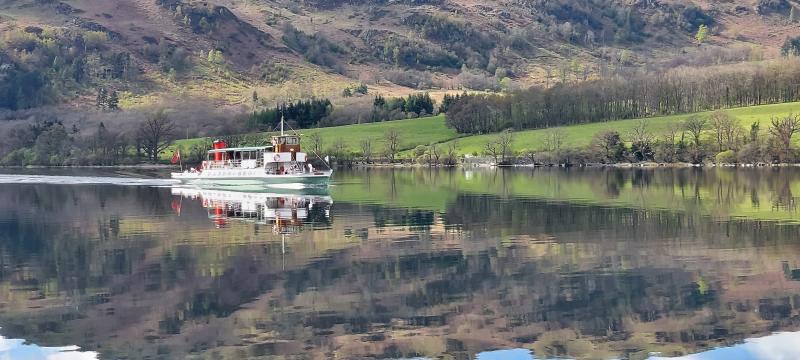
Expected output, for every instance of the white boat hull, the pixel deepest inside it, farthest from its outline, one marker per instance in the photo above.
(252, 178)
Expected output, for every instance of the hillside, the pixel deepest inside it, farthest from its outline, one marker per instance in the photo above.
(223, 50)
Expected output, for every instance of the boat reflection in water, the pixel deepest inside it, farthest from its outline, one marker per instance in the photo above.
(289, 212)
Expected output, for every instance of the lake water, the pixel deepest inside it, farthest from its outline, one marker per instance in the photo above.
(401, 264)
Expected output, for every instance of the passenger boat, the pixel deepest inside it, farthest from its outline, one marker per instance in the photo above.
(283, 162)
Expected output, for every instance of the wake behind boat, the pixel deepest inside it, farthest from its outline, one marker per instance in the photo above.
(283, 162)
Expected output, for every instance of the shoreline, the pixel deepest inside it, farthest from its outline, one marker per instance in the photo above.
(647, 165)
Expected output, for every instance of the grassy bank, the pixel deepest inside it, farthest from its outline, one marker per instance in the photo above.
(424, 131)
(413, 132)
(581, 135)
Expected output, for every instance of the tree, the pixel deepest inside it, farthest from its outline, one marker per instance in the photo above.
(379, 102)
(52, 146)
(783, 129)
(366, 150)
(102, 98)
(695, 125)
(155, 134)
(727, 131)
(671, 144)
(702, 34)
(391, 143)
(609, 144)
(492, 149)
(642, 142)
(216, 59)
(755, 128)
(791, 46)
(113, 101)
(554, 140)
(505, 142)
(450, 157)
(499, 148)
(339, 150)
(316, 142)
(434, 154)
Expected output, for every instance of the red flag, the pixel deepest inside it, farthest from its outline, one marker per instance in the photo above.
(176, 156)
(176, 205)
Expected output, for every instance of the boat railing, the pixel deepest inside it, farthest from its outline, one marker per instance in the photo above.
(233, 164)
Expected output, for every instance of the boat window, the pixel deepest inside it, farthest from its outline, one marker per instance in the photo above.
(291, 140)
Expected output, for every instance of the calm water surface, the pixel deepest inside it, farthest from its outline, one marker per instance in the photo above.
(533, 264)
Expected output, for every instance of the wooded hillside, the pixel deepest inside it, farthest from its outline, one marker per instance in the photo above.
(287, 50)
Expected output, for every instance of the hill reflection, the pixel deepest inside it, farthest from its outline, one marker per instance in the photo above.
(450, 268)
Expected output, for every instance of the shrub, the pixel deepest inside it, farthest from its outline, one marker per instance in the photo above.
(726, 157)
(791, 46)
(410, 78)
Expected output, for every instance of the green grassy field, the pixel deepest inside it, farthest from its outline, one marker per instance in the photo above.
(581, 135)
(424, 131)
(413, 132)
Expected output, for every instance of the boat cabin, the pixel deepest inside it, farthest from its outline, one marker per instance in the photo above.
(241, 157)
(286, 143)
(282, 157)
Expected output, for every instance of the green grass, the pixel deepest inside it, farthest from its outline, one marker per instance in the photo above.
(424, 131)
(581, 135)
(413, 132)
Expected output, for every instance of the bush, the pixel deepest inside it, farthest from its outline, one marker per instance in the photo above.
(410, 78)
(791, 46)
(315, 48)
(726, 157)
(750, 154)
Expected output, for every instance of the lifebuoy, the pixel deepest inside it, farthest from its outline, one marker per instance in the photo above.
(276, 157)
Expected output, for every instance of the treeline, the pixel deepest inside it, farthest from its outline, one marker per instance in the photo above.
(50, 143)
(716, 138)
(313, 113)
(71, 138)
(678, 91)
(300, 114)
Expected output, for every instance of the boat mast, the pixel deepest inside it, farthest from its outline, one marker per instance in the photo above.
(282, 118)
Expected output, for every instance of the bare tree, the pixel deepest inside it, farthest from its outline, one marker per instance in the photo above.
(450, 157)
(727, 131)
(783, 129)
(339, 150)
(434, 154)
(392, 143)
(366, 150)
(674, 134)
(554, 139)
(315, 142)
(695, 125)
(492, 148)
(505, 141)
(641, 133)
(642, 141)
(155, 134)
